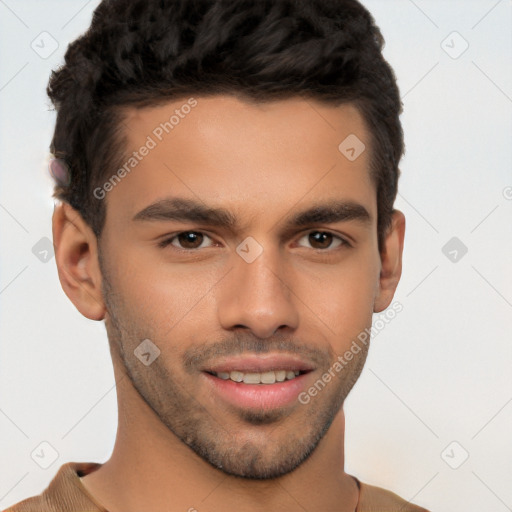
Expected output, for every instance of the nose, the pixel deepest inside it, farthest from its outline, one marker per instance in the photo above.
(257, 296)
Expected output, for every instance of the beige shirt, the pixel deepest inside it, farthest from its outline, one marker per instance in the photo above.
(66, 493)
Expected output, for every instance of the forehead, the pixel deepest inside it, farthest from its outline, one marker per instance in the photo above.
(256, 156)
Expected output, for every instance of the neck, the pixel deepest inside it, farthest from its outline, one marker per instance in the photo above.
(151, 468)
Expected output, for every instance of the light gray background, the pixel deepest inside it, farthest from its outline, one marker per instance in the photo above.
(439, 372)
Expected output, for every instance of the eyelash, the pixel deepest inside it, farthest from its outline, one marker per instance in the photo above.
(168, 241)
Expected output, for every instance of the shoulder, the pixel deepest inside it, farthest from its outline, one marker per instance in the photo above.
(377, 499)
(65, 492)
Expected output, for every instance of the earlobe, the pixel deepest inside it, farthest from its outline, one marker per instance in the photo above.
(391, 262)
(76, 256)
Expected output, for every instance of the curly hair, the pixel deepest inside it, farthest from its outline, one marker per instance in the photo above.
(147, 52)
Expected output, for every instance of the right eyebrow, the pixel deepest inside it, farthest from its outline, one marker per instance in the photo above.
(181, 209)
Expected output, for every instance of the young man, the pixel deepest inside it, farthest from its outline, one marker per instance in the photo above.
(227, 172)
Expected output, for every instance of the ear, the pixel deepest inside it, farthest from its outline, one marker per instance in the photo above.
(76, 254)
(391, 262)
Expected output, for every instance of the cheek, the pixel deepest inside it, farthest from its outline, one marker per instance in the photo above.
(341, 297)
(163, 295)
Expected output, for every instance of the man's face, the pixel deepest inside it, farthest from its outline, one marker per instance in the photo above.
(261, 295)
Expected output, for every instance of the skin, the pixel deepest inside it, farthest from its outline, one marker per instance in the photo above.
(180, 446)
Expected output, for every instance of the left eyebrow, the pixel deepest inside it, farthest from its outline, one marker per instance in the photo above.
(330, 213)
(189, 210)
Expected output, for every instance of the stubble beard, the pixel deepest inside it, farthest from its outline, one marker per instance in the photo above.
(226, 445)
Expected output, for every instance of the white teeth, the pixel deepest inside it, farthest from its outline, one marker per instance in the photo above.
(236, 376)
(258, 378)
(280, 375)
(268, 377)
(252, 378)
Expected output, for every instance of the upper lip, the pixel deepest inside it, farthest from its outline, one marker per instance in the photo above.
(258, 364)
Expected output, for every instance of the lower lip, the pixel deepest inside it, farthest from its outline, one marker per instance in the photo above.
(258, 396)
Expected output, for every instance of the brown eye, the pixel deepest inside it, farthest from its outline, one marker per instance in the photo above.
(185, 240)
(190, 239)
(323, 240)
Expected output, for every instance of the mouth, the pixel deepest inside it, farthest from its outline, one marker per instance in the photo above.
(268, 377)
(258, 382)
